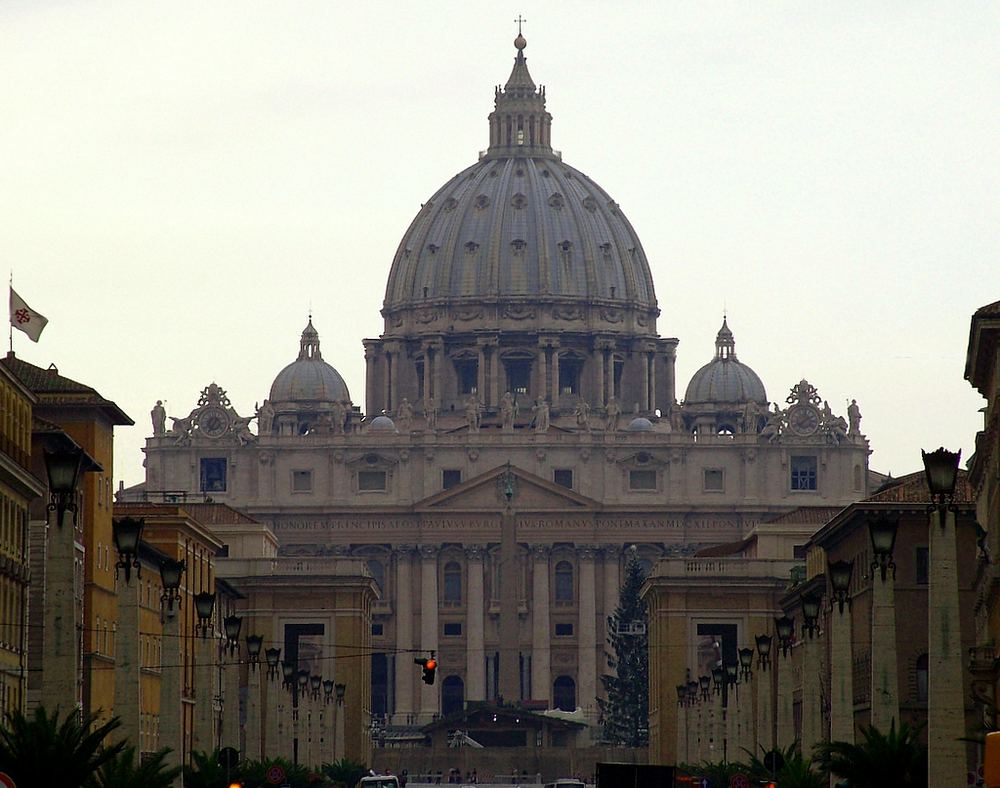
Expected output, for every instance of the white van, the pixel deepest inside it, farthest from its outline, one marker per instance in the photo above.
(565, 783)
(379, 781)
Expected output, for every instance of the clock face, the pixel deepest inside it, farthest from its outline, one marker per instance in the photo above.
(213, 422)
(803, 419)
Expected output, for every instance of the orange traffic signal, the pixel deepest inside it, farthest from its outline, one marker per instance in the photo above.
(429, 666)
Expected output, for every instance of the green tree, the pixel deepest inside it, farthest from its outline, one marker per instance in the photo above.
(122, 771)
(795, 772)
(204, 771)
(345, 771)
(42, 750)
(897, 758)
(625, 713)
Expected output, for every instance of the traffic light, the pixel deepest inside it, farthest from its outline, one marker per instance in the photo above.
(428, 666)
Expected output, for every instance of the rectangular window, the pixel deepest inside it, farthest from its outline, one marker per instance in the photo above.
(799, 552)
(468, 375)
(563, 477)
(642, 480)
(803, 473)
(923, 566)
(213, 474)
(715, 480)
(302, 481)
(450, 477)
(564, 630)
(453, 629)
(377, 630)
(371, 481)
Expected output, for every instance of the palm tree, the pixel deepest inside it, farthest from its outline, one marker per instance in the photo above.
(897, 759)
(122, 772)
(204, 771)
(345, 771)
(41, 750)
(795, 771)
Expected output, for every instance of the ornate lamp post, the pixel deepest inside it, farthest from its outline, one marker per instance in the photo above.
(253, 731)
(204, 605)
(301, 743)
(63, 467)
(784, 628)
(945, 696)
(171, 728)
(204, 707)
(127, 533)
(812, 660)
(764, 686)
(841, 661)
(273, 657)
(885, 680)
(254, 645)
(231, 626)
(746, 663)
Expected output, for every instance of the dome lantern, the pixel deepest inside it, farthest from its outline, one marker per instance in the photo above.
(519, 123)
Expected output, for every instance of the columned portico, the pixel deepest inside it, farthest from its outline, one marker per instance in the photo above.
(475, 676)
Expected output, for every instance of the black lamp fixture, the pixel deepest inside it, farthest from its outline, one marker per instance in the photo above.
(746, 663)
(732, 673)
(327, 690)
(254, 645)
(840, 580)
(315, 683)
(63, 467)
(692, 692)
(204, 604)
(682, 694)
(127, 533)
(273, 657)
(763, 650)
(705, 683)
(883, 530)
(718, 678)
(170, 577)
(303, 682)
(784, 626)
(231, 625)
(288, 674)
(941, 468)
(810, 613)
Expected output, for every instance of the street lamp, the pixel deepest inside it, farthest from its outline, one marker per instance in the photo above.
(718, 678)
(810, 613)
(883, 530)
(170, 577)
(941, 468)
(732, 674)
(746, 662)
(704, 682)
(204, 604)
(232, 625)
(763, 650)
(840, 580)
(288, 675)
(785, 628)
(273, 656)
(254, 645)
(127, 533)
(682, 694)
(692, 692)
(341, 691)
(303, 678)
(63, 467)
(315, 682)
(327, 690)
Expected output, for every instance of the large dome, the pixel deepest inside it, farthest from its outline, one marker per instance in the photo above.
(309, 379)
(724, 380)
(520, 225)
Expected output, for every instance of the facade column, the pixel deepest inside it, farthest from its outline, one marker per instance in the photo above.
(812, 717)
(306, 728)
(785, 719)
(231, 703)
(494, 375)
(555, 378)
(204, 689)
(542, 388)
(587, 638)
(428, 623)
(252, 730)
(765, 701)
(428, 394)
(127, 666)
(339, 743)
(439, 360)
(644, 394)
(945, 695)
(59, 657)
(171, 729)
(481, 376)
(651, 363)
(598, 376)
(475, 667)
(386, 377)
(371, 373)
(885, 680)
(718, 745)
(541, 636)
(841, 676)
(609, 370)
(324, 728)
(612, 580)
(682, 733)
(404, 634)
(393, 382)
(730, 748)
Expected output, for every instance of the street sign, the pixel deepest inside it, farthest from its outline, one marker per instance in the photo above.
(6, 781)
(739, 781)
(275, 775)
(704, 783)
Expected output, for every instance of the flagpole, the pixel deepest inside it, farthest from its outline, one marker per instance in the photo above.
(10, 325)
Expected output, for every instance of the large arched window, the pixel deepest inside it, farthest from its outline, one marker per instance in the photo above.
(452, 695)
(564, 693)
(452, 583)
(380, 685)
(564, 582)
(378, 572)
(922, 675)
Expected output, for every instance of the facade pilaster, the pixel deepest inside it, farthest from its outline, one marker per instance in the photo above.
(204, 688)
(543, 381)
(475, 668)
(171, 729)
(598, 376)
(812, 718)
(945, 695)
(393, 381)
(841, 676)
(127, 702)
(428, 393)
(481, 376)
(59, 658)
(785, 719)
(651, 361)
(555, 378)
(428, 622)
(541, 655)
(885, 679)
(494, 375)
(404, 633)
(231, 702)
(252, 729)
(587, 638)
(439, 360)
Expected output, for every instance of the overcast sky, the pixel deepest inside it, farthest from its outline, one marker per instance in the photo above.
(182, 181)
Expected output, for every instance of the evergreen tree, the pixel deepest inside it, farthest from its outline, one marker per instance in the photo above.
(625, 713)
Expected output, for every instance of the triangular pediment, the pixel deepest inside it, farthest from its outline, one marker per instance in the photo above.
(483, 493)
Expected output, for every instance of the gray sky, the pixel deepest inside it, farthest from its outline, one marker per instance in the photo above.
(181, 181)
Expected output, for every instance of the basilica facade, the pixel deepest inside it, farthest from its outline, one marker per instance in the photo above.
(519, 380)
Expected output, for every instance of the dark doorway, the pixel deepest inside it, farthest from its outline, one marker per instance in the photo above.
(380, 684)
(452, 695)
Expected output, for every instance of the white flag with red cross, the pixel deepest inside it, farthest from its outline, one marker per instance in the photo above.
(24, 318)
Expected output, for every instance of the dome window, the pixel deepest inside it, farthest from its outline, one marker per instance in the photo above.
(590, 204)
(432, 248)
(518, 201)
(519, 172)
(450, 205)
(566, 246)
(471, 247)
(482, 202)
(518, 246)
(556, 201)
(545, 173)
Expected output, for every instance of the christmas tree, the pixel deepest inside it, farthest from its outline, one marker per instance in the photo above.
(625, 713)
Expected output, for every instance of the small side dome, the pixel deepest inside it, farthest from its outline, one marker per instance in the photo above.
(724, 380)
(382, 424)
(309, 378)
(640, 424)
